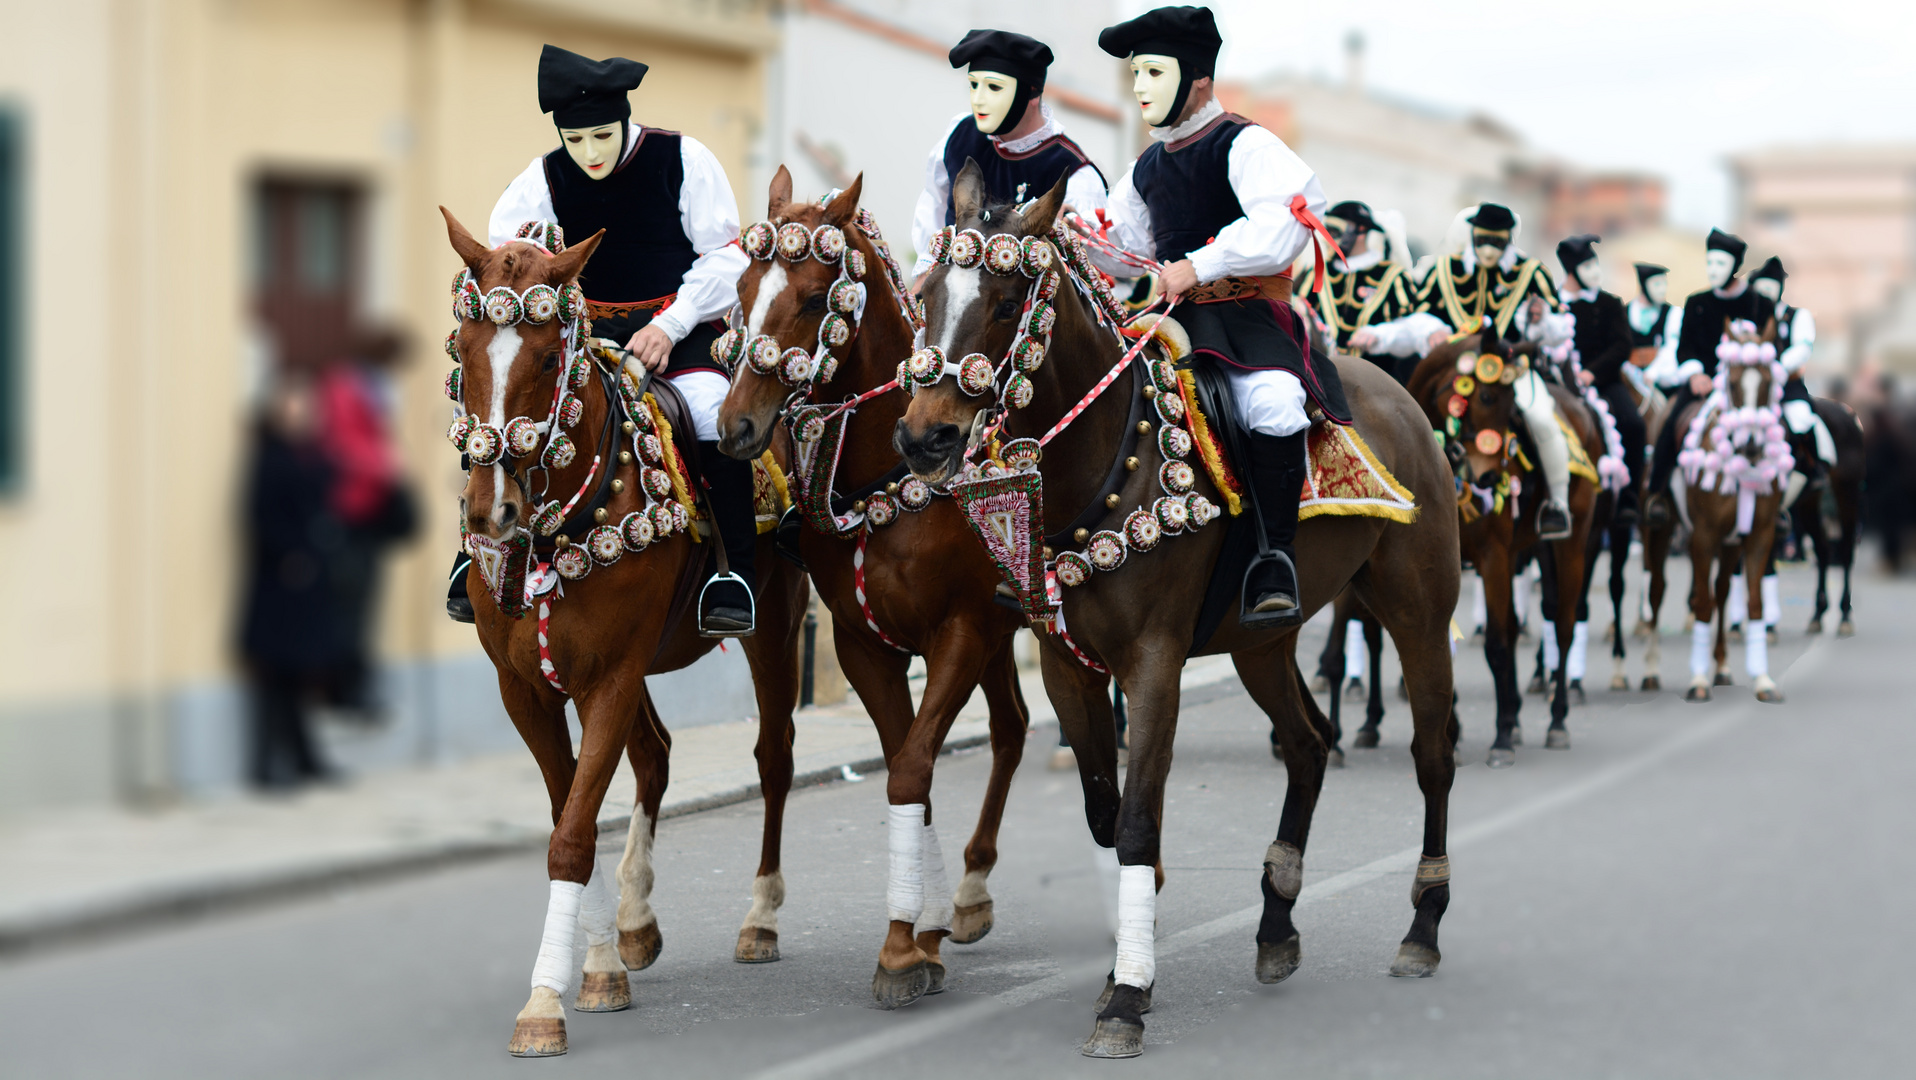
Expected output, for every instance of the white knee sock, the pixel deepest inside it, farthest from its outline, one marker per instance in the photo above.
(1772, 600)
(1739, 604)
(553, 969)
(1137, 926)
(1756, 651)
(1702, 649)
(931, 859)
(1478, 608)
(1520, 597)
(905, 892)
(1356, 652)
(1574, 667)
(1549, 647)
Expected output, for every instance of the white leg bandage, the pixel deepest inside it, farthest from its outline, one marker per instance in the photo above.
(1702, 649)
(596, 908)
(1756, 651)
(1540, 419)
(1478, 609)
(553, 969)
(704, 392)
(905, 894)
(937, 890)
(1356, 652)
(1520, 597)
(1270, 401)
(1137, 926)
(1575, 666)
(1739, 602)
(1549, 647)
(1772, 600)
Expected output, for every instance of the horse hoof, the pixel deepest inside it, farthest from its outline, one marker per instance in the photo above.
(1320, 684)
(1500, 759)
(1770, 697)
(1846, 629)
(1111, 986)
(1415, 961)
(1700, 692)
(1576, 693)
(1278, 962)
(640, 948)
(1354, 690)
(603, 991)
(1366, 738)
(1114, 1039)
(897, 989)
(1516, 735)
(1723, 679)
(1556, 739)
(1652, 682)
(1815, 627)
(538, 1036)
(756, 945)
(970, 922)
(1536, 685)
(1335, 759)
(937, 983)
(1736, 635)
(1769, 635)
(1619, 682)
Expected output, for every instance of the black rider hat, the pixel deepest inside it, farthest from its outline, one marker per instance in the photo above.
(1357, 213)
(1187, 33)
(580, 92)
(1575, 251)
(1772, 269)
(1722, 241)
(1023, 58)
(1494, 217)
(1646, 271)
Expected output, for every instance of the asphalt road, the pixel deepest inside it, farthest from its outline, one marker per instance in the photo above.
(1693, 890)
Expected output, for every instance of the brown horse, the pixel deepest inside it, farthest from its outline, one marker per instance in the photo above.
(1140, 621)
(916, 585)
(1732, 489)
(1831, 526)
(1499, 522)
(602, 638)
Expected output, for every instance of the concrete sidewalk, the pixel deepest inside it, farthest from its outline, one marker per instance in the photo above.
(66, 875)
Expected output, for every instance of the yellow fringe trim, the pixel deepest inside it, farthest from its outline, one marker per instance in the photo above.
(770, 464)
(674, 465)
(1579, 457)
(1207, 446)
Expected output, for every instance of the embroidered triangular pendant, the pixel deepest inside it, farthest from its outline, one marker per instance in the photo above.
(1007, 513)
(817, 446)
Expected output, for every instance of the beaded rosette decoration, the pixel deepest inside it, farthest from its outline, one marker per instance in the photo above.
(1744, 450)
(542, 447)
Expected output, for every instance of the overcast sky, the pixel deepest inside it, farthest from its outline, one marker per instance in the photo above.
(1669, 86)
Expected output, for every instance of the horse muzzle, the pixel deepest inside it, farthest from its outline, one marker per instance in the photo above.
(932, 454)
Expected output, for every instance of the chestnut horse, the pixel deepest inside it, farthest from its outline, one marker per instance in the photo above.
(916, 585)
(604, 635)
(1499, 522)
(1139, 619)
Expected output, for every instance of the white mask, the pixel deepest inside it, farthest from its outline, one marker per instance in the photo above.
(1718, 266)
(992, 96)
(1154, 82)
(1487, 255)
(595, 149)
(1657, 288)
(1769, 289)
(1591, 274)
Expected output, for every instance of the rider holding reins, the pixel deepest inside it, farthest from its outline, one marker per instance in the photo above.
(666, 270)
(1226, 207)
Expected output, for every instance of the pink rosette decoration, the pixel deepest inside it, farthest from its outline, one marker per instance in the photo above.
(1177, 477)
(461, 427)
(571, 411)
(1019, 390)
(1142, 529)
(651, 450)
(763, 354)
(1174, 514)
(502, 306)
(1106, 550)
(967, 249)
(452, 384)
(546, 519)
(657, 482)
(835, 330)
(1035, 255)
(484, 444)
(758, 240)
(795, 367)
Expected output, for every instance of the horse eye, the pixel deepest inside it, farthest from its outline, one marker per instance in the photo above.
(815, 303)
(551, 362)
(1007, 310)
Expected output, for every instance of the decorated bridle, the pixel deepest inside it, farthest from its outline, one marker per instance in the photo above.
(1749, 452)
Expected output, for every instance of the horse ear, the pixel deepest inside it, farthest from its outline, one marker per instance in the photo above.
(567, 264)
(968, 192)
(470, 250)
(780, 195)
(840, 210)
(1040, 216)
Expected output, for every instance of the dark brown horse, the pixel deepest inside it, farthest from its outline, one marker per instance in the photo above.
(612, 627)
(1830, 515)
(1140, 619)
(1498, 513)
(918, 584)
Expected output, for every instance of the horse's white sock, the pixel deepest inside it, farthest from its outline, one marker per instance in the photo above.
(596, 908)
(905, 894)
(553, 968)
(1772, 600)
(1549, 647)
(1702, 648)
(1478, 609)
(937, 890)
(1574, 667)
(1137, 926)
(1520, 596)
(1739, 603)
(1356, 652)
(1756, 651)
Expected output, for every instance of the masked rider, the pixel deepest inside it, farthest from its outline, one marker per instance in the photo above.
(666, 270)
(1603, 342)
(1706, 315)
(1491, 286)
(1225, 206)
(1366, 289)
(1009, 131)
(1810, 441)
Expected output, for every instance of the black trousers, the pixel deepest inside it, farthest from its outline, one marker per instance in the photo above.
(1665, 456)
(282, 751)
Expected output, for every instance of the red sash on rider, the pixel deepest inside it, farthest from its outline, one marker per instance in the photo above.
(1300, 209)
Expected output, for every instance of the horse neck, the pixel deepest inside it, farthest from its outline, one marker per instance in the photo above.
(883, 341)
(586, 436)
(1075, 463)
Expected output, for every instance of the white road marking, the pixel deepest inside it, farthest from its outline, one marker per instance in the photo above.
(913, 1034)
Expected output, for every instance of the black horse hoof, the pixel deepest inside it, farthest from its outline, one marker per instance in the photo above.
(1366, 738)
(1536, 684)
(1500, 758)
(1114, 1039)
(1815, 627)
(1556, 739)
(1336, 759)
(1278, 962)
(1845, 629)
(1723, 679)
(1699, 693)
(1652, 682)
(1415, 961)
(1110, 986)
(897, 989)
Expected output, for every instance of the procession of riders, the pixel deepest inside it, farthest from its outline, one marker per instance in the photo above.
(1191, 252)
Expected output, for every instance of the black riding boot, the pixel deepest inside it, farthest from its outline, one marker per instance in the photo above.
(726, 607)
(458, 603)
(1271, 597)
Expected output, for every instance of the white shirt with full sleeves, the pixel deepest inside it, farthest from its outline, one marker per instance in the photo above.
(1802, 342)
(708, 213)
(1265, 174)
(1084, 191)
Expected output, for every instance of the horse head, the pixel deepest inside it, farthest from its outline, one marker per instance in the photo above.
(974, 312)
(510, 366)
(1485, 366)
(785, 295)
(1748, 365)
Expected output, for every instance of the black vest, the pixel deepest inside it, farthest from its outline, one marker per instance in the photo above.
(645, 253)
(1705, 315)
(1010, 177)
(1187, 188)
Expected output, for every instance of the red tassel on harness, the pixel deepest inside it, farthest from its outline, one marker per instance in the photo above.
(1300, 209)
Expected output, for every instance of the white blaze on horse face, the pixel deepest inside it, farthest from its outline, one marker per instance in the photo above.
(501, 351)
(1154, 82)
(595, 149)
(1750, 383)
(962, 287)
(992, 95)
(769, 288)
(1718, 266)
(1657, 288)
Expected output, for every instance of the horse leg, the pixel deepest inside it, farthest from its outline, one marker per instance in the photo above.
(1272, 685)
(1756, 643)
(648, 748)
(1500, 633)
(1564, 561)
(1336, 670)
(1333, 645)
(1812, 524)
(1082, 698)
(1725, 578)
(1847, 500)
(775, 679)
(1702, 608)
(539, 715)
(918, 895)
(971, 917)
(1374, 711)
(1620, 537)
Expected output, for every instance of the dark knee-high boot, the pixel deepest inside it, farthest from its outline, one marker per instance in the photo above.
(1271, 596)
(726, 607)
(458, 603)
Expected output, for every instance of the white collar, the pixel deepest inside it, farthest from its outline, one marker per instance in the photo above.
(1028, 142)
(1211, 111)
(1506, 264)
(1368, 258)
(1584, 295)
(1737, 285)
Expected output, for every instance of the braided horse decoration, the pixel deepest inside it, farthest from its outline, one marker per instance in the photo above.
(1735, 465)
(522, 351)
(1130, 602)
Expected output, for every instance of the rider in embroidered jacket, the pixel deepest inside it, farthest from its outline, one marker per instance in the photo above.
(1366, 288)
(1225, 206)
(1490, 284)
(1009, 131)
(1810, 440)
(661, 280)
(1603, 343)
